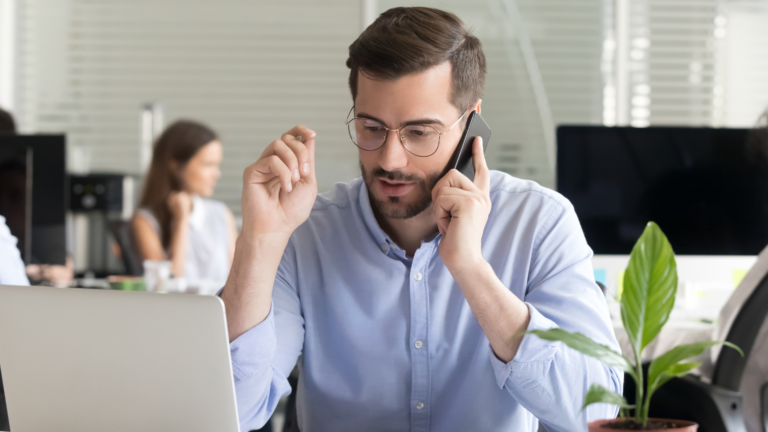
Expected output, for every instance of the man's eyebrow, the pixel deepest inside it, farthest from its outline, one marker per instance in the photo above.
(423, 121)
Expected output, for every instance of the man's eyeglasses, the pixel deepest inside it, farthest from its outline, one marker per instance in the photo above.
(419, 140)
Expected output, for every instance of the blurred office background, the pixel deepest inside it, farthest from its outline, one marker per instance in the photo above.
(254, 69)
(111, 73)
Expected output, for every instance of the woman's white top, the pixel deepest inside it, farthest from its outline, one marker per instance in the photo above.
(207, 265)
(11, 265)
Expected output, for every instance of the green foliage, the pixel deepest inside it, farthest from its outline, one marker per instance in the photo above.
(587, 346)
(650, 286)
(668, 365)
(600, 394)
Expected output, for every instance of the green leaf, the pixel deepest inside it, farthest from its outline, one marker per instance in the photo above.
(587, 346)
(600, 394)
(668, 365)
(650, 285)
(677, 370)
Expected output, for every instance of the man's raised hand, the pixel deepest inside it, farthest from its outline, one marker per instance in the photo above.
(280, 188)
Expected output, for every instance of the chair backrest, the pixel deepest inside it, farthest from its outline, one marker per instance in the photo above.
(730, 365)
(764, 406)
(123, 234)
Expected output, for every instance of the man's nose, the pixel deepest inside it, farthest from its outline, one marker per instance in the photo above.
(393, 155)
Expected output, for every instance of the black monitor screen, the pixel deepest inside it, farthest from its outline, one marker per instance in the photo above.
(33, 195)
(706, 188)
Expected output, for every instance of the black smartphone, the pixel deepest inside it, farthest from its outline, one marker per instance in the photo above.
(462, 157)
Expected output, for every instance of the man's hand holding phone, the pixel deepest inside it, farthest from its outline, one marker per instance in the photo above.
(461, 209)
(279, 191)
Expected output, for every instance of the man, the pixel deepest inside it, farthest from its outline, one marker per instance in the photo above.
(403, 294)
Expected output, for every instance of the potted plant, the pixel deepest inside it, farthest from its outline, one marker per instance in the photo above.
(647, 299)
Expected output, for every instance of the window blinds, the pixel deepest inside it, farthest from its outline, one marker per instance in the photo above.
(693, 62)
(251, 70)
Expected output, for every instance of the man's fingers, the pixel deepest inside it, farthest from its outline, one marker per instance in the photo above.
(482, 173)
(279, 169)
(306, 136)
(454, 179)
(303, 134)
(301, 151)
(447, 204)
(442, 215)
(267, 169)
(289, 158)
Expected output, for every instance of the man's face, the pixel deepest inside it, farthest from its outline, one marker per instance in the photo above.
(400, 183)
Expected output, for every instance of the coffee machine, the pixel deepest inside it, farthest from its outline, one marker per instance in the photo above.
(101, 206)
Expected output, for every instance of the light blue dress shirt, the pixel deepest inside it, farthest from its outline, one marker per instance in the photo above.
(388, 343)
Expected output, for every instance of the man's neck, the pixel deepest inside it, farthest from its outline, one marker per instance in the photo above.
(408, 233)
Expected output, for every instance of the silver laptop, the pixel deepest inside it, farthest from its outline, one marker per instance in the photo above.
(95, 361)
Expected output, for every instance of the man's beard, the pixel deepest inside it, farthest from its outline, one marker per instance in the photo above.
(393, 207)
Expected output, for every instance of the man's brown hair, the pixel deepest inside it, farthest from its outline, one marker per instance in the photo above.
(409, 40)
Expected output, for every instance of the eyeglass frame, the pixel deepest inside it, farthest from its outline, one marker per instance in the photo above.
(399, 137)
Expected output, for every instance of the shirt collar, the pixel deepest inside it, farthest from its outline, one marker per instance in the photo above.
(370, 220)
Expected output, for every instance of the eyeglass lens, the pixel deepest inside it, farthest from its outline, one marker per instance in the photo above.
(370, 135)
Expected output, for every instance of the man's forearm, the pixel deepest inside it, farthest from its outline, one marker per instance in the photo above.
(247, 295)
(500, 313)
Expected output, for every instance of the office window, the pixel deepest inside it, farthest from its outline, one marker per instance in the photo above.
(687, 62)
(251, 70)
(544, 69)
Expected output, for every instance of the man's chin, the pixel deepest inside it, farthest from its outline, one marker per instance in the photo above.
(399, 207)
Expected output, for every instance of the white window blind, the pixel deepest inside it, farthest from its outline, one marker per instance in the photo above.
(745, 84)
(251, 70)
(690, 62)
(565, 38)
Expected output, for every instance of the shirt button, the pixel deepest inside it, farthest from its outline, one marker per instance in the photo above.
(417, 276)
(418, 344)
(419, 406)
(384, 247)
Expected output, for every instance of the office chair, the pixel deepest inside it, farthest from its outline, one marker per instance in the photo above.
(4, 426)
(717, 407)
(123, 234)
(764, 406)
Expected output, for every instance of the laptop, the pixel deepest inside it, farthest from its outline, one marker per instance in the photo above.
(97, 360)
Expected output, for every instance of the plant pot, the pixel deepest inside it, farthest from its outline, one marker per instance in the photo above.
(684, 426)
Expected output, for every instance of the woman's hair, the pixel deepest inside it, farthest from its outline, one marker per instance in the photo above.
(179, 143)
(7, 124)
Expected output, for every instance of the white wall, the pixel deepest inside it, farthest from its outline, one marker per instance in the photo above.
(7, 53)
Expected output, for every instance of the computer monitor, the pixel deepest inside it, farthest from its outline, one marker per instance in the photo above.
(33, 195)
(707, 188)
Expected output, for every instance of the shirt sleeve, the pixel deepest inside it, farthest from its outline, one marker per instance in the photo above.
(11, 264)
(264, 356)
(547, 378)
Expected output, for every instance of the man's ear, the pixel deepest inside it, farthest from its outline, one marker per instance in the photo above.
(477, 106)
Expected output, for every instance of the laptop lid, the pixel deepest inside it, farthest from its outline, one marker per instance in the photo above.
(94, 361)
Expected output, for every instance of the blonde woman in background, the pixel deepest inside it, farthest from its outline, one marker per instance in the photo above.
(175, 220)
